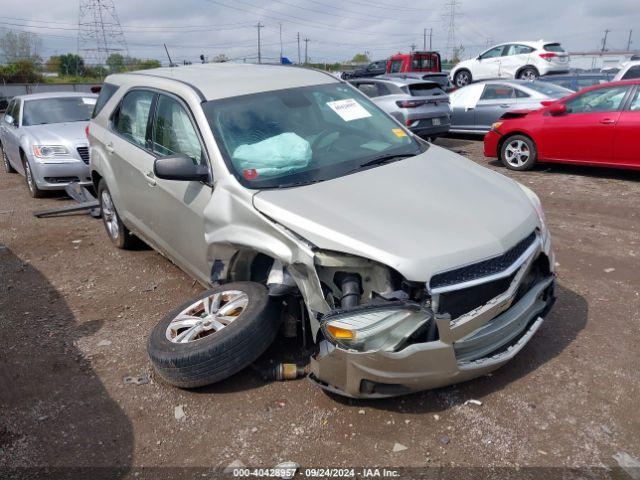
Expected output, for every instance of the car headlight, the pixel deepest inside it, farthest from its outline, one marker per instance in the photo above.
(49, 151)
(374, 328)
(535, 201)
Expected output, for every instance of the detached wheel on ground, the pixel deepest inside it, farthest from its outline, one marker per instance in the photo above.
(214, 335)
(34, 191)
(518, 153)
(119, 235)
(5, 160)
(529, 73)
(462, 78)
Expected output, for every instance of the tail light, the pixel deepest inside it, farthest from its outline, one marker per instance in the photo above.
(410, 103)
(548, 56)
(86, 130)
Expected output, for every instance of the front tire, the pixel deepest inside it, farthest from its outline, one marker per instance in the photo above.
(34, 191)
(5, 160)
(518, 153)
(214, 335)
(529, 73)
(462, 78)
(119, 235)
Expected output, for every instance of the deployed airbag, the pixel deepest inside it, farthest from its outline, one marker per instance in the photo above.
(274, 156)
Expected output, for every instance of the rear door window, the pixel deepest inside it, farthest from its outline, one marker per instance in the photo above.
(106, 92)
(497, 92)
(132, 116)
(516, 49)
(633, 72)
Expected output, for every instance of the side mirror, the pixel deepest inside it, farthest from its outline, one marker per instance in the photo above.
(180, 167)
(557, 109)
(8, 119)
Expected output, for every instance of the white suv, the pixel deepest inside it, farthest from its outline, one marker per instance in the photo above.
(523, 60)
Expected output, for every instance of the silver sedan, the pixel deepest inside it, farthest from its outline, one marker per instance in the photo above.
(477, 106)
(42, 136)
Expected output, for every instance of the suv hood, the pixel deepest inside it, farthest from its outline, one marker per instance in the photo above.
(58, 133)
(420, 216)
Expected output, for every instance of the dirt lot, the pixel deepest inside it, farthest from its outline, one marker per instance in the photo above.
(75, 313)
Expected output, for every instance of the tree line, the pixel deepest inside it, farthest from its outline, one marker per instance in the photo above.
(22, 62)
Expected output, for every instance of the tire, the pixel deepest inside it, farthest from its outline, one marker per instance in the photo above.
(119, 235)
(34, 191)
(462, 78)
(518, 153)
(220, 353)
(5, 160)
(528, 73)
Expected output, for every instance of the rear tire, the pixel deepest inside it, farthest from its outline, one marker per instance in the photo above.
(518, 153)
(462, 78)
(529, 73)
(214, 352)
(34, 191)
(5, 160)
(119, 235)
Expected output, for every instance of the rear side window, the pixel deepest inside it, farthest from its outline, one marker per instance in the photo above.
(600, 100)
(554, 47)
(132, 116)
(633, 72)
(497, 92)
(515, 49)
(106, 93)
(521, 94)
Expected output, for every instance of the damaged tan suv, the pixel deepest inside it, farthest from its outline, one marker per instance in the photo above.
(304, 208)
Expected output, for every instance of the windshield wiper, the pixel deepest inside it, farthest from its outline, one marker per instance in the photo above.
(384, 159)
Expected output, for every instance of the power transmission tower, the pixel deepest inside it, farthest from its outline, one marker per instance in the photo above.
(452, 7)
(306, 46)
(99, 31)
(259, 26)
(604, 41)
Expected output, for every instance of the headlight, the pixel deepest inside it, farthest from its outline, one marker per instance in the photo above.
(374, 328)
(535, 201)
(48, 151)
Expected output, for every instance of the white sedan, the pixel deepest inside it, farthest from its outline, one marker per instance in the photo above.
(521, 60)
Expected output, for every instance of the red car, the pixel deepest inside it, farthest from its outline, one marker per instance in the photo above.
(599, 125)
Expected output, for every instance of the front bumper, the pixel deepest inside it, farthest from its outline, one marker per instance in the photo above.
(438, 363)
(491, 141)
(55, 176)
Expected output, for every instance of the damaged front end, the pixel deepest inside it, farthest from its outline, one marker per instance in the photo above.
(386, 336)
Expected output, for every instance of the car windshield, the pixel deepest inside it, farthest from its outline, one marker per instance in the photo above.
(549, 89)
(304, 135)
(58, 110)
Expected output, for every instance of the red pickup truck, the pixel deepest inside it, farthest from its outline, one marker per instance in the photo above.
(414, 62)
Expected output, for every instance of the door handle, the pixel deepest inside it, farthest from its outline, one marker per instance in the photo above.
(505, 105)
(109, 147)
(468, 109)
(150, 178)
(607, 121)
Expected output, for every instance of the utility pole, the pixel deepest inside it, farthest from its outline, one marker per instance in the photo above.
(431, 39)
(306, 46)
(629, 42)
(298, 48)
(424, 41)
(280, 23)
(259, 26)
(604, 40)
(413, 47)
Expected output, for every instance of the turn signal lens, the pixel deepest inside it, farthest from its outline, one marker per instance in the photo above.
(340, 333)
(496, 126)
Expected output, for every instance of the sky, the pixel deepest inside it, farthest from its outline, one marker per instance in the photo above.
(336, 29)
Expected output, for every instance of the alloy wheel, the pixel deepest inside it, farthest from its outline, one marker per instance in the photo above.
(529, 75)
(109, 215)
(517, 153)
(207, 316)
(462, 79)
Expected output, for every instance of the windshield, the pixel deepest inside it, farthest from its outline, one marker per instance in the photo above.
(57, 110)
(549, 89)
(303, 135)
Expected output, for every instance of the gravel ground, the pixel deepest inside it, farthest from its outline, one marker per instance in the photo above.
(75, 313)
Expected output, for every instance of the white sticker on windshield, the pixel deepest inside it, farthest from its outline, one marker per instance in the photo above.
(348, 109)
(88, 101)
